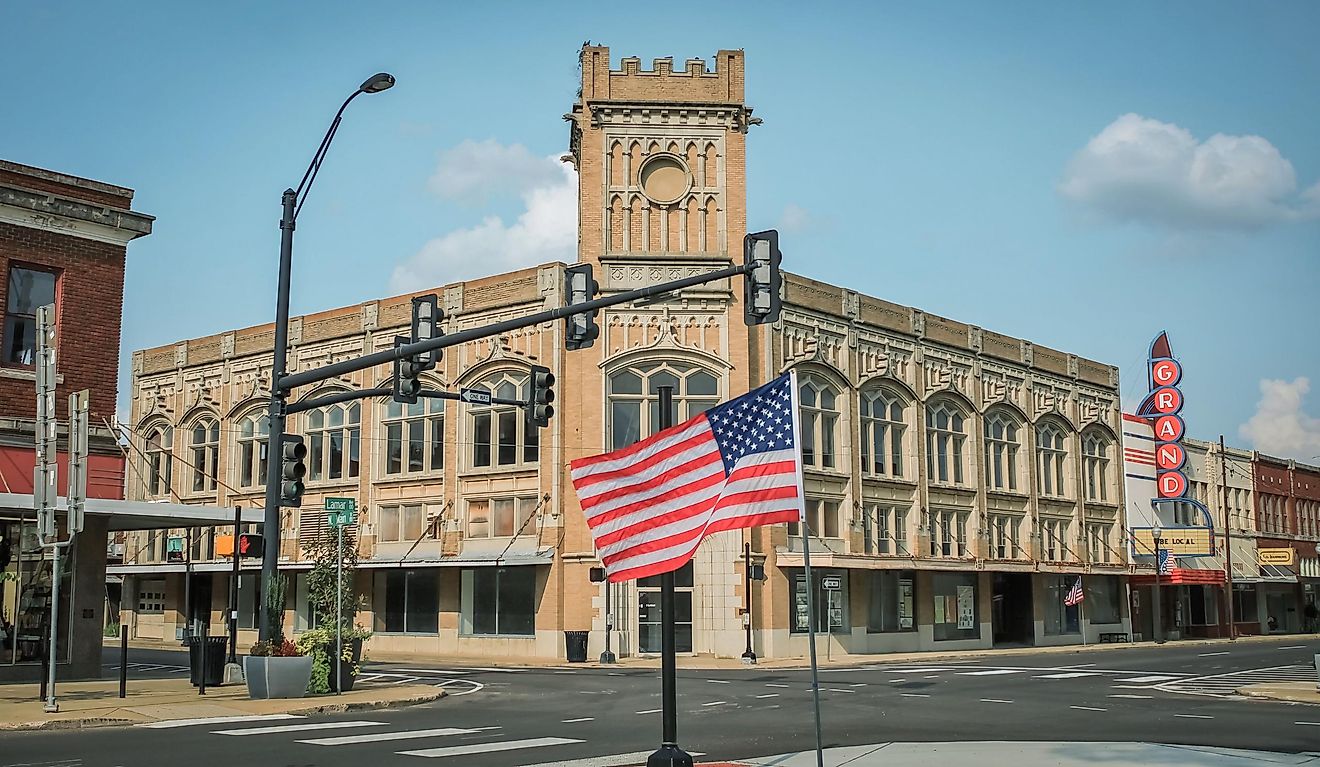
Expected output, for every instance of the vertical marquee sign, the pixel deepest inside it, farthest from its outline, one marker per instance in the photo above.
(1162, 405)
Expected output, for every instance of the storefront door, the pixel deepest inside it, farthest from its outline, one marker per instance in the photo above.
(649, 636)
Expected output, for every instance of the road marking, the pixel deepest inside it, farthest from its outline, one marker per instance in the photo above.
(769, 695)
(217, 720)
(857, 684)
(1293, 647)
(1145, 679)
(838, 689)
(715, 703)
(914, 695)
(564, 672)
(376, 737)
(614, 673)
(445, 672)
(492, 669)
(914, 670)
(776, 685)
(1132, 697)
(994, 700)
(1068, 675)
(1212, 654)
(483, 748)
(933, 676)
(613, 760)
(1088, 708)
(296, 728)
(1193, 716)
(1311, 724)
(580, 719)
(650, 711)
(991, 672)
(717, 681)
(1079, 665)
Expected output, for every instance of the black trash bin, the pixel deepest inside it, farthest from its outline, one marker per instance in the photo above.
(217, 651)
(575, 646)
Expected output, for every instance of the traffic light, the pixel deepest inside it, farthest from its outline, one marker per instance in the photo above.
(539, 409)
(407, 372)
(762, 283)
(597, 574)
(581, 329)
(426, 317)
(251, 545)
(293, 467)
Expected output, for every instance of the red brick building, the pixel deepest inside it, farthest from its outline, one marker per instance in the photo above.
(1287, 511)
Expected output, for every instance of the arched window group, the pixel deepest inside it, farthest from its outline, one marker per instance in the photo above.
(634, 403)
(945, 437)
(882, 433)
(160, 460)
(414, 437)
(1051, 457)
(501, 435)
(1001, 451)
(819, 421)
(205, 437)
(334, 442)
(253, 431)
(1095, 466)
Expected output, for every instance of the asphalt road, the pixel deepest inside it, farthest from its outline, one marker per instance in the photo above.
(570, 715)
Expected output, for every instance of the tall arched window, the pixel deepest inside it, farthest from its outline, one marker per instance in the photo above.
(1001, 451)
(160, 460)
(414, 437)
(882, 433)
(501, 435)
(820, 421)
(253, 431)
(945, 436)
(205, 444)
(1095, 467)
(334, 442)
(635, 402)
(1051, 456)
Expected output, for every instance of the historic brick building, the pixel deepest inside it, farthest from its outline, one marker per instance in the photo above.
(958, 480)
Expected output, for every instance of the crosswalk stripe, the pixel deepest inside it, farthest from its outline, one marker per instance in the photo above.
(485, 748)
(1068, 675)
(492, 669)
(376, 737)
(1145, 679)
(406, 671)
(991, 672)
(171, 723)
(296, 728)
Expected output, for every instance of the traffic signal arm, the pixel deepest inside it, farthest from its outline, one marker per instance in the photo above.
(349, 396)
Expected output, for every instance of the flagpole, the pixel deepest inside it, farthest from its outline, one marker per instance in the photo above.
(806, 566)
(1081, 610)
(669, 755)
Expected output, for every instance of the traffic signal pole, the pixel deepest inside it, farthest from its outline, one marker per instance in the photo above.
(233, 589)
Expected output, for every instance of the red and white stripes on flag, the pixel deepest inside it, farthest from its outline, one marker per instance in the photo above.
(1075, 594)
(649, 505)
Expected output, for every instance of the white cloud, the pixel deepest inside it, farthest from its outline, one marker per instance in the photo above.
(1159, 173)
(476, 170)
(1280, 427)
(546, 230)
(795, 218)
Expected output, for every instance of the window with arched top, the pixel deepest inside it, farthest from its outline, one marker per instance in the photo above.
(1002, 435)
(204, 441)
(253, 431)
(160, 460)
(946, 434)
(334, 442)
(819, 403)
(883, 426)
(1095, 466)
(1051, 458)
(634, 401)
(414, 437)
(501, 435)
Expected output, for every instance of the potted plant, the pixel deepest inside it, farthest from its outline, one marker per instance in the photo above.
(319, 645)
(333, 566)
(276, 668)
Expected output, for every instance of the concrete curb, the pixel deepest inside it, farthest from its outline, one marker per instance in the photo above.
(1303, 698)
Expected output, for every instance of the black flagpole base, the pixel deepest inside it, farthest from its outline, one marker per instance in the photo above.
(669, 755)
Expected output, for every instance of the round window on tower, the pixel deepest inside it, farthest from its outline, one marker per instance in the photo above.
(664, 178)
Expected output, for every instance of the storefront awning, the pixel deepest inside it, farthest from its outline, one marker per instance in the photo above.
(135, 515)
(1181, 576)
(480, 559)
(248, 566)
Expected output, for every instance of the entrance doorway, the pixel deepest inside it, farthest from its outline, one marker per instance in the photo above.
(1011, 616)
(199, 598)
(649, 636)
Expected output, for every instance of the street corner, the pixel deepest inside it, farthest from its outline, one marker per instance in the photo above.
(1288, 692)
(358, 700)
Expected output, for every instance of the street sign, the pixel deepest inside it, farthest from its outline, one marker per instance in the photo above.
(1276, 556)
(474, 396)
(341, 518)
(831, 583)
(340, 504)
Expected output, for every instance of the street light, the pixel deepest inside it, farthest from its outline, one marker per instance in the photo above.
(1158, 629)
(291, 202)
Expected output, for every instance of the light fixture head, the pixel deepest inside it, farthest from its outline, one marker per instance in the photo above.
(381, 81)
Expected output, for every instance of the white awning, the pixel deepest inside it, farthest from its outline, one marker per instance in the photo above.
(136, 515)
(248, 566)
(481, 559)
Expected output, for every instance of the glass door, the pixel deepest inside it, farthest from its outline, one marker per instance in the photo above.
(649, 636)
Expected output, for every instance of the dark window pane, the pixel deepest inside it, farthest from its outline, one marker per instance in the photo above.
(517, 600)
(416, 445)
(395, 600)
(316, 456)
(481, 439)
(354, 451)
(532, 444)
(423, 611)
(625, 423)
(625, 383)
(485, 595)
(508, 425)
(437, 443)
(245, 465)
(20, 340)
(393, 448)
(336, 454)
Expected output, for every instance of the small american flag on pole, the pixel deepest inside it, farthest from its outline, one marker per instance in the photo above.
(1075, 595)
(649, 505)
(1165, 563)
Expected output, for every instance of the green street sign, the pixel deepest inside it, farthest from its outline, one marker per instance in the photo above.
(341, 504)
(340, 518)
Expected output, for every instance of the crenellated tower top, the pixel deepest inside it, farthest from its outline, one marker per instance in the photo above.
(662, 83)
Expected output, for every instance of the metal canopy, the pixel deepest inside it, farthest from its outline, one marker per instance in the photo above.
(134, 515)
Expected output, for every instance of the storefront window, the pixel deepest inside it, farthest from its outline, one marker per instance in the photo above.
(25, 594)
(1104, 596)
(831, 597)
(648, 611)
(1059, 617)
(412, 601)
(499, 601)
(249, 601)
(1244, 603)
(957, 614)
(892, 604)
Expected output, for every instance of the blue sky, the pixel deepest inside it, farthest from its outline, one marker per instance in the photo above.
(971, 159)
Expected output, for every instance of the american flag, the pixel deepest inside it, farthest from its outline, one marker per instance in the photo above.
(649, 505)
(1166, 563)
(1075, 594)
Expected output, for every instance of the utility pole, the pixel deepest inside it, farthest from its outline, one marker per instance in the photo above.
(1158, 629)
(1228, 539)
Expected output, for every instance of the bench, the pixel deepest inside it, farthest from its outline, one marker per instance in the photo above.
(1113, 636)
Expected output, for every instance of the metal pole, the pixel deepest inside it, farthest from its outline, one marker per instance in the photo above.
(233, 590)
(1081, 611)
(51, 706)
(339, 609)
(270, 527)
(187, 585)
(748, 654)
(201, 655)
(608, 655)
(1158, 629)
(806, 567)
(1228, 540)
(669, 755)
(123, 660)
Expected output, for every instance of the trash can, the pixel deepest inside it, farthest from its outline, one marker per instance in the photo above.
(575, 646)
(217, 650)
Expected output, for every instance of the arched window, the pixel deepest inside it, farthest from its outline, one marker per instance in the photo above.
(253, 432)
(945, 435)
(414, 437)
(1095, 467)
(1001, 450)
(501, 435)
(882, 433)
(160, 460)
(820, 421)
(334, 439)
(1051, 456)
(635, 402)
(205, 444)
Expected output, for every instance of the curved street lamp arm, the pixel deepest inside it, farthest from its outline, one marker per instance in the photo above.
(309, 177)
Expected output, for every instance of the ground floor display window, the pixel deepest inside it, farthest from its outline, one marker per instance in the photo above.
(1104, 597)
(891, 603)
(831, 598)
(249, 601)
(648, 612)
(499, 601)
(25, 595)
(411, 601)
(957, 614)
(1199, 606)
(1061, 618)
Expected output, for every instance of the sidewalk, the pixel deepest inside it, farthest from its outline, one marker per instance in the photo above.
(1291, 692)
(97, 704)
(1000, 754)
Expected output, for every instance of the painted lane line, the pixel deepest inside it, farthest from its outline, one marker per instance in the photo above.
(1145, 679)
(580, 719)
(994, 700)
(715, 703)
(563, 672)
(838, 689)
(769, 695)
(1088, 708)
(296, 728)
(914, 670)
(718, 681)
(1212, 654)
(492, 669)
(217, 720)
(377, 737)
(913, 695)
(1293, 647)
(776, 685)
(445, 672)
(1067, 675)
(1080, 665)
(857, 684)
(1193, 716)
(649, 711)
(933, 676)
(991, 672)
(484, 748)
(613, 760)
(1132, 697)
(1308, 724)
